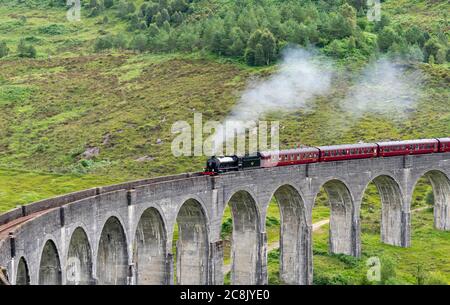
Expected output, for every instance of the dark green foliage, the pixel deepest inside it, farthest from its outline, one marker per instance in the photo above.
(103, 43)
(108, 3)
(429, 199)
(387, 269)
(384, 21)
(125, 8)
(255, 30)
(227, 228)
(386, 38)
(261, 48)
(25, 49)
(420, 275)
(432, 47)
(272, 221)
(139, 43)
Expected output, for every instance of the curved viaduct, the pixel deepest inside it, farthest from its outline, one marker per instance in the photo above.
(122, 234)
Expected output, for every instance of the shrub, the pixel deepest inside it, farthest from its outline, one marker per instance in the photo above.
(4, 50)
(139, 43)
(108, 3)
(52, 29)
(272, 221)
(26, 50)
(429, 199)
(103, 43)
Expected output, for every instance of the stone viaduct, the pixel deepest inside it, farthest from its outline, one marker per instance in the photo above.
(122, 234)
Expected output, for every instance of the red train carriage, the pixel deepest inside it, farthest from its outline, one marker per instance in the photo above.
(444, 144)
(289, 157)
(347, 152)
(411, 147)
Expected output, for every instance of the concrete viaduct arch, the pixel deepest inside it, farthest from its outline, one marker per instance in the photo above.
(122, 234)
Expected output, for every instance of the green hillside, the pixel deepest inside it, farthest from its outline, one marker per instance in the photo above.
(92, 102)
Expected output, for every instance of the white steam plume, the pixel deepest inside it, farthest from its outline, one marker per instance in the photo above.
(299, 79)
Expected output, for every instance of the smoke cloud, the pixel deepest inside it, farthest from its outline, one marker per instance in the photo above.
(384, 88)
(299, 79)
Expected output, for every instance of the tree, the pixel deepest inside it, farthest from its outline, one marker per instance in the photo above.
(261, 48)
(26, 50)
(4, 50)
(269, 47)
(103, 43)
(108, 3)
(441, 55)
(431, 60)
(259, 55)
(131, 8)
(180, 6)
(153, 30)
(177, 18)
(139, 43)
(125, 8)
(431, 48)
(250, 52)
(93, 3)
(217, 45)
(415, 35)
(120, 41)
(384, 21)
(349, 13)
(237, 47)
(122, 9)
(161, 17)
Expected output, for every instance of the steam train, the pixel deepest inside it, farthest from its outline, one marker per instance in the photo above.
(217, 165)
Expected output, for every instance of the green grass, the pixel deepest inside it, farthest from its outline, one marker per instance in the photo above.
(429, 250)
(426, 260)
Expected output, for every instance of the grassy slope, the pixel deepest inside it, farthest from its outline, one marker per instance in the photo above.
(53, 108)
(20, 187)
(429, 250)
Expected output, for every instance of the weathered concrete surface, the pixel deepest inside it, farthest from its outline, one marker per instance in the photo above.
(123, 234)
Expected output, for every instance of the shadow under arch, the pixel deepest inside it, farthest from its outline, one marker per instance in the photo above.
(294, 236)
(79, 259)
(342, 229)
(23, 274)
(149, 249)
(50, 266)
(112, 257)
(192, 246)
(246, 240)
(392, 231)
(440, 184)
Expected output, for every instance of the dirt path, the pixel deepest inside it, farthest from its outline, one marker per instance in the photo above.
(316, 226)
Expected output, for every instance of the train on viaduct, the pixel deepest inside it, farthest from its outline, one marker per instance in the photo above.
(122, 234)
